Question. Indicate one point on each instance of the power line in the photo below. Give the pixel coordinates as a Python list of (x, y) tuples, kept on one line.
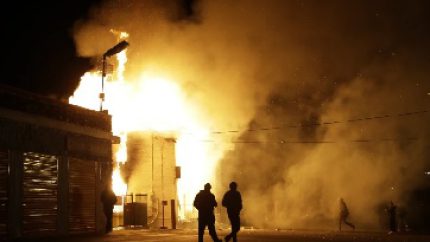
[(302, 125), (286, 142)]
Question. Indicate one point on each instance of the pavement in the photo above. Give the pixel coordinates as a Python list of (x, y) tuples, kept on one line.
[(245, 235)]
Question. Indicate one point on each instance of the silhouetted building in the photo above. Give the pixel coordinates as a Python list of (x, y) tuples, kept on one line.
[(54, 159)]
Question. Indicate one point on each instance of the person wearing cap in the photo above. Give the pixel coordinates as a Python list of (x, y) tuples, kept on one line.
[(232, 200), (205, 203)]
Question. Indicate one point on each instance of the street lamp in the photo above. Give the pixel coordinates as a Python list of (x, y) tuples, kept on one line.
[(112, 51)]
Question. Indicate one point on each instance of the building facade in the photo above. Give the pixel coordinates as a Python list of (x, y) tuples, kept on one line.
[(55, 158)]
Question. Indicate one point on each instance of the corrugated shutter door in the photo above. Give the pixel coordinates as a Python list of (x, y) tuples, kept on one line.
[(40, 185), (82, 196), (4, 164)]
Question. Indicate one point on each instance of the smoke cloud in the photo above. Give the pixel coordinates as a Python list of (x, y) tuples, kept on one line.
[(288, 65)]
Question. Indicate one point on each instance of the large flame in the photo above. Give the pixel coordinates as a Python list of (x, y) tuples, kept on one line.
[(154, 102), (119, 187)]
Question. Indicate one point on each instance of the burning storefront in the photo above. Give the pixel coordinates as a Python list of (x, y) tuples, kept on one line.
[(54, 160), (162, 136)]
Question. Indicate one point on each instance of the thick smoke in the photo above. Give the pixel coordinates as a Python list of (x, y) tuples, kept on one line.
[(289, 65), (367, 162), (371, 65)]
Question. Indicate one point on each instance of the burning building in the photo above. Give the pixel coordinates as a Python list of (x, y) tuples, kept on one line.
[(150, 173), (160, 130), (54, 160)]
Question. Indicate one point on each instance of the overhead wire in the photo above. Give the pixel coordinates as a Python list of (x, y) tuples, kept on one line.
[(286, 142), (301, 125)]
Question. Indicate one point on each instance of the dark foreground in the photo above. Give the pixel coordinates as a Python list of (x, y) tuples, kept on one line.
[(247, 235)]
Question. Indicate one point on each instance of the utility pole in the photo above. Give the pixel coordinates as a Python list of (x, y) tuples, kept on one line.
[(112, 51)]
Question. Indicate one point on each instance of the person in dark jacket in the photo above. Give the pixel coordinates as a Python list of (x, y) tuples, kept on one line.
[(232, 200), (205, 203), (108, 199)]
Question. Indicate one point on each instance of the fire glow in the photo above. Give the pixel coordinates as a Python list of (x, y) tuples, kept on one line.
[(153, 103)]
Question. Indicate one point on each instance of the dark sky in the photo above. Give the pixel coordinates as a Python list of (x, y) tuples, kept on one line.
[(41, 57), (40, 51), (38, 46)]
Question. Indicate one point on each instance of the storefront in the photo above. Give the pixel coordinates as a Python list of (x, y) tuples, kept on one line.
[(54, 160)]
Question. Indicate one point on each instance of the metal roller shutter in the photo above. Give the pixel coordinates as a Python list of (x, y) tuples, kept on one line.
[(40, 186), (82, 196), (4, 174)]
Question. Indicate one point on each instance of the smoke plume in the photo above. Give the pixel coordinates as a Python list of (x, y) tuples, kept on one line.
[(283, 69)]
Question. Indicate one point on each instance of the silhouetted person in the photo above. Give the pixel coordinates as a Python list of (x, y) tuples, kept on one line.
[(205, 203), (108, 198), (232, 200), (343, 215), (401, 215), (391, 210)]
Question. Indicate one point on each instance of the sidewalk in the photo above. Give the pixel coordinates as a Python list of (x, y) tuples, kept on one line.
[(245, 235)]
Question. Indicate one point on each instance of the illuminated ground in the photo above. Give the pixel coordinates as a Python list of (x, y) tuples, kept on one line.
[(249, 236)]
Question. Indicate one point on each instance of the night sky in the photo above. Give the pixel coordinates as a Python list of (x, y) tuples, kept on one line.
[(38, 42), (40, 53)]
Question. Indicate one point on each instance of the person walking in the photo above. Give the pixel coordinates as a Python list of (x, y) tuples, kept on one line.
[(343, 215), (232, 200), (108, 199), (205, 203), (392, 214)]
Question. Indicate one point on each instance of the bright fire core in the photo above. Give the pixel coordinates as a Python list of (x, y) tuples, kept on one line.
[(153, 103)]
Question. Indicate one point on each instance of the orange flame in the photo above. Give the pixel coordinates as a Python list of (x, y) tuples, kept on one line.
[(154, 102)]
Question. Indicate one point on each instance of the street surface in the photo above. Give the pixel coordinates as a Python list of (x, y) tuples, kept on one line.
[(245, 235)]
